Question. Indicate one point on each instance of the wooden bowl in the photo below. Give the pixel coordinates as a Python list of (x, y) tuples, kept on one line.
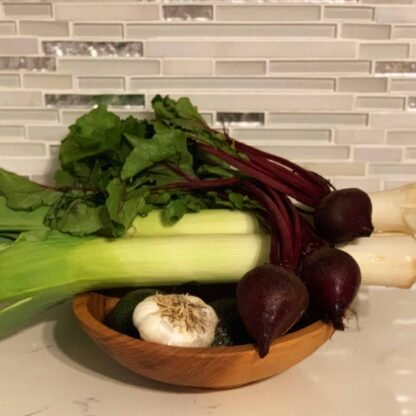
[(217, 367)]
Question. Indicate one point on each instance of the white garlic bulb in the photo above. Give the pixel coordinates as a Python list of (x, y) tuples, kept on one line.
[(176, 320)]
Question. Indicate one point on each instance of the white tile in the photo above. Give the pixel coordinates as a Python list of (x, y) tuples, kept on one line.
[(34, 115), (270, 102), (109, 66), (233, 68), (405, 137), (250, 48), (365, 31), (255, 12), (101, 83), (396, 14), (47, 81), (9, 80), (43, 179), (378, 154), (396, 183), (387, 1), (348, 13), (18, 46), (333, 66), (223, 84), (7, 28), (48, 133), (107, 12), (380, 103), (393, 120), (304, 153), (388, 169), (243, 29), (12, 132), (410, 153), (27, 9), (403, 84), (22, 149), (188, 67), (384, 50), (98, 30), (42, 28), (359, 136), (367, 185), (337, 168), (411, 103), (335, 119), (404, 32), (264, 136), (28, 165), (21, 99), (354, 84)]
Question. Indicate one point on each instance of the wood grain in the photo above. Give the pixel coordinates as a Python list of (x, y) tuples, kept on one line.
[(219, 367)]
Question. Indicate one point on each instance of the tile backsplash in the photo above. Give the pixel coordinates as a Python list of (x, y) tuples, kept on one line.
[(330, 84)]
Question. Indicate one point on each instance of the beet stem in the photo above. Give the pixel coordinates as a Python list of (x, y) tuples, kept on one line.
[(260, 176)]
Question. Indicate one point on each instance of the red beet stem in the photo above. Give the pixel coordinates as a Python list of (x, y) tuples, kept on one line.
[(315, 181), (260, 176), (281, 251), (310, 241), (295, 220), (201, 184), (283, 173)]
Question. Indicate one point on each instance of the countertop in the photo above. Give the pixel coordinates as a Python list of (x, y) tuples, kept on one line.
[(53, 369)]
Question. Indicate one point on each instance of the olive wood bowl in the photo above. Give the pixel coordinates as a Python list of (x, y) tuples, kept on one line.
[(215, 367)]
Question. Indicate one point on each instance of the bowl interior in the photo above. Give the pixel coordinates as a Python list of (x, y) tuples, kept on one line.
[(215, 367)]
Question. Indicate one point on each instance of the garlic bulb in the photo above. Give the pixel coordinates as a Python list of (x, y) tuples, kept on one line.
[(176, 320)]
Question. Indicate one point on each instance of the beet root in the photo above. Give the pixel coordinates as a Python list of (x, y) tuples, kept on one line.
[(344, 215), (332, 278), (270, 301)]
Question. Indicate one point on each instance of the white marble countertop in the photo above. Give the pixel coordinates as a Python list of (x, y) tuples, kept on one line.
[(53, 369)]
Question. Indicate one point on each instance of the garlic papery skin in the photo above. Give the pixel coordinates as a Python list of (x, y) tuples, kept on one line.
[(176, 320)]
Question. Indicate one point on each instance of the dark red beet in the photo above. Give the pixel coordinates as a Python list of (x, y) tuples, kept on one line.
[(343, 215), (333, 278), (270, 301)]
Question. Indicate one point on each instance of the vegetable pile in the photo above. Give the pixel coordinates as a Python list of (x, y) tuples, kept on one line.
[(116, 217)]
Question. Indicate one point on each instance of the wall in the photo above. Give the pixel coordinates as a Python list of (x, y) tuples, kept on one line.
[(331, 84)]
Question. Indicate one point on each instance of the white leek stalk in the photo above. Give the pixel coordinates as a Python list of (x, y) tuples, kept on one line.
[(395, 210), (385, 259), (207, 221)]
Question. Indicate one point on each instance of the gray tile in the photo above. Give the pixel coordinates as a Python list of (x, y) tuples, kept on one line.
[(81, 48), (240, 119), (187, 12), (395, 67), (83, 100), (29, 63)]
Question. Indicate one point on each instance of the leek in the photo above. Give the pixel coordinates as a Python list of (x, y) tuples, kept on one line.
[(395, 210), (209, 221)]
